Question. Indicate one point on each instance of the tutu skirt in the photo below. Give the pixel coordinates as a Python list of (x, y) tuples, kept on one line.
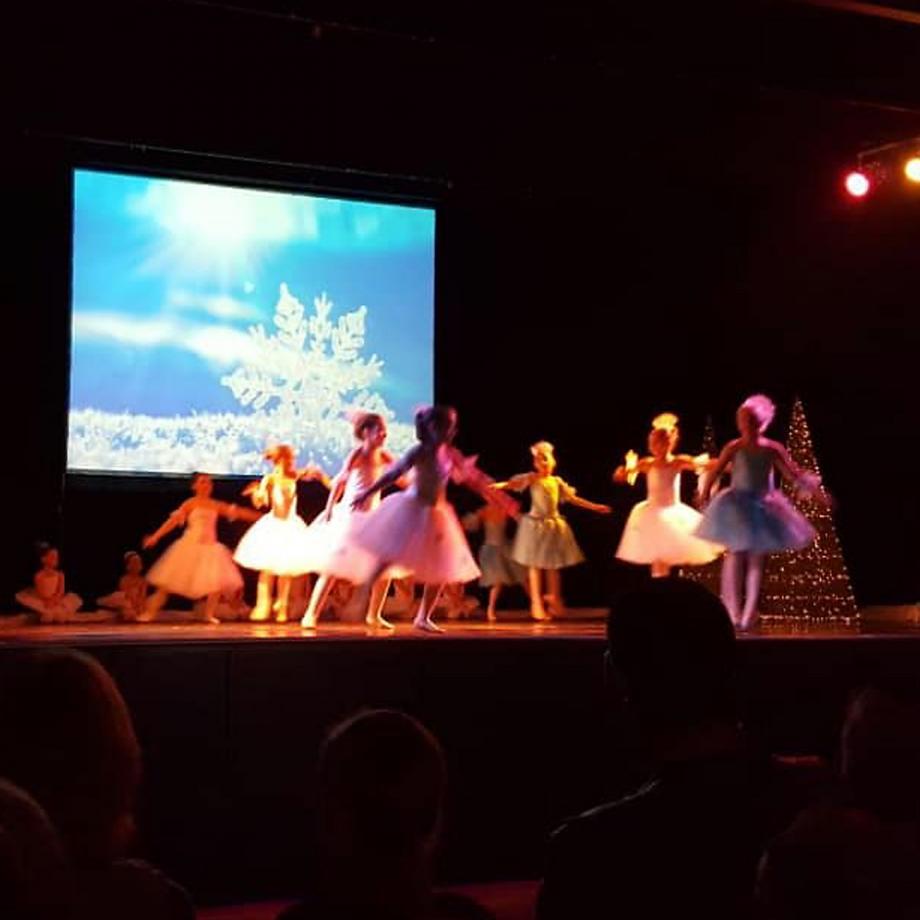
[(498, 568), (664, 533), (545, 543), (48, 610), (755, 522), (333, 551), (195, 569), (277, 545), (425, 541)]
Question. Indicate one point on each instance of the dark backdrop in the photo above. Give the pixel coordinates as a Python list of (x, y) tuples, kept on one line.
[(638, 212)]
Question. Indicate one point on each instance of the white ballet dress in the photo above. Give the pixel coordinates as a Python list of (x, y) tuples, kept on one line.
[(660, 529), (279, 540), (544, 539), (417, 531), (196, 564)]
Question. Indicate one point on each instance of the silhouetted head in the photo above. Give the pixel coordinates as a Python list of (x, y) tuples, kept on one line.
[(371, 428), (659, 443), (382, 780), (31, 858), (69, 742), (48, 555), (281, 455), (134, 564), (671, 651), (544, 457), (880, 752)]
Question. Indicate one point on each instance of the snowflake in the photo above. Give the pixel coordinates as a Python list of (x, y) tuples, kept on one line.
[(299, 387)]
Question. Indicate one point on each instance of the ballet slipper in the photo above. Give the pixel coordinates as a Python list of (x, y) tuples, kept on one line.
[(378, 622), (308, 622), (490, 616), (749, 621), (259, 614), (426, 624)]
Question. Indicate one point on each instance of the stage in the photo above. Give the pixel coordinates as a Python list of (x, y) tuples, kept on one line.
[(231, 717)]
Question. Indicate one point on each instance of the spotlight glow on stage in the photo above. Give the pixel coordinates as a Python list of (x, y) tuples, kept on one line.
[(912, 169), (857, 184)]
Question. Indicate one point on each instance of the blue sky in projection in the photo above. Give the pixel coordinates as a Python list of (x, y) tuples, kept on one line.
[(168, 276)]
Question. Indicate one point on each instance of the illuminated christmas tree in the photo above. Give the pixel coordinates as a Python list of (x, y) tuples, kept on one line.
[(813, 583), (706, 575)]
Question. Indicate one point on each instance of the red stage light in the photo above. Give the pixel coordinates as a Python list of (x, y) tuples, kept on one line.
[(857, 184)]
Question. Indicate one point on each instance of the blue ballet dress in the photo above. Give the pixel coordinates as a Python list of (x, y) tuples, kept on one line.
[(752, 515)]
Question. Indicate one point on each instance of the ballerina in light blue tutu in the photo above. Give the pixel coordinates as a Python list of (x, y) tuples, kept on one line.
[(753, 517)]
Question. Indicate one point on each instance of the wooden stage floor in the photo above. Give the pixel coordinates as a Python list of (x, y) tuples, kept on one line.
[(15, 631)]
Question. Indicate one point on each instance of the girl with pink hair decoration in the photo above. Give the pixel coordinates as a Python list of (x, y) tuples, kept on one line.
[(752, 517), (417, 530)]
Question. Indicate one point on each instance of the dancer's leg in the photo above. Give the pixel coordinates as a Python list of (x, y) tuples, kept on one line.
[(153, 606), (209, 614), (262, 609), (318, 597), (534, 585), (431, 594), (554, 592), (374, 616), (752, 583), (283, 598), (494, 592), (732, 566), (379, 593), (660, 569)]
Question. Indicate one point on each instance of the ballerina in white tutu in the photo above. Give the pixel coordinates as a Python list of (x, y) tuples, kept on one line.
[(659, 531), (331, 553), (277, 545), (196, 565), (498, 568), (752, 517), (417, 530), (48, 596), (131, 596), (544, 542)]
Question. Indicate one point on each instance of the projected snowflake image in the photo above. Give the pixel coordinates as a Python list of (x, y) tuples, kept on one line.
[(213, 361)]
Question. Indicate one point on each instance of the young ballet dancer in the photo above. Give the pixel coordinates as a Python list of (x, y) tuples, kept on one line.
[(331, 554), (659, 531), (752, 517), (498, 568), (131, 596), (48, 596), (277, 545), (196, 565), (417, 530), (544, 542)]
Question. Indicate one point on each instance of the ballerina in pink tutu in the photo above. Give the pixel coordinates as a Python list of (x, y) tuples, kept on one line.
[(331, 554), (48, 596), (196, 565), (276, 546), (417, 530)]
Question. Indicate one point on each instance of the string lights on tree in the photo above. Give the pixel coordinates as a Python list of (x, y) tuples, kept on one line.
[(810, 585), (879, 165)]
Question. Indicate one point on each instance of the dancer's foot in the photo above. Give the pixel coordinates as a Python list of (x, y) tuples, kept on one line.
[(259, 614), (379, 623), (749, 621), (308, 622), (281, 613), (211, 621), (538, 612), (426, 624), (147, 616), (490, 616), (553, 606)]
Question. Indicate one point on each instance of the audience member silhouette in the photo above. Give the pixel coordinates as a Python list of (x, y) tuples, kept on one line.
[(687, 842), (381, 787), (68, 740), (33, 880), (858, 854)]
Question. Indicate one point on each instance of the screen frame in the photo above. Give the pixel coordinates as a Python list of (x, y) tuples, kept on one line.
[(235, 172)]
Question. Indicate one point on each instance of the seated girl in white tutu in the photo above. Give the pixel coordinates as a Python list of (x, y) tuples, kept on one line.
[(196, 565), (659, 531), (498, 568), (330, 553), (544, 542), (48, 596), (131, 596), (752, 517), (417, 530), (277, 545)]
